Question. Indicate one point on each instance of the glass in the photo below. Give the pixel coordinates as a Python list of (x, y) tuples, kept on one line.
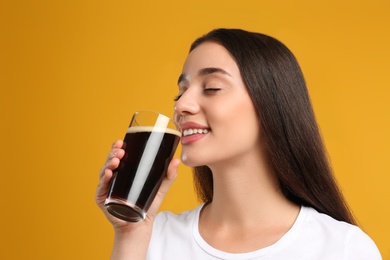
[(150, 143)]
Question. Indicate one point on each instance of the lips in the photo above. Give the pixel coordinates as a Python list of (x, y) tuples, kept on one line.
[(192, 132)]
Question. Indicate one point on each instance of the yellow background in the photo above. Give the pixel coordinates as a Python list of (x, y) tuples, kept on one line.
[(72, 73)]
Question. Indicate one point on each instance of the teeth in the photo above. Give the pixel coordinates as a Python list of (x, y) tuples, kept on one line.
[(194, 131)]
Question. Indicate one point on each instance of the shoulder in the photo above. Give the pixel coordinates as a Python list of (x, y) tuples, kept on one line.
[(165, 217), (324, 223), (172, 234), (166, 221), (356, 244)]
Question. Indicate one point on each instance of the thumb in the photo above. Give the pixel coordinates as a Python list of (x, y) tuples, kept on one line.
[(165, 185), (172, 169)]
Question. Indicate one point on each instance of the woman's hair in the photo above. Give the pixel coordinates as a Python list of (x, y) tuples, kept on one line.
[(291, 136)]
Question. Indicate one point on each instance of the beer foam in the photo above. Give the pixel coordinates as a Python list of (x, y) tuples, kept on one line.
[(137, 129)]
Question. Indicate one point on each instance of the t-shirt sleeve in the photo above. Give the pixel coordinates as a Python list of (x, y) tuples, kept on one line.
[(361, 247)]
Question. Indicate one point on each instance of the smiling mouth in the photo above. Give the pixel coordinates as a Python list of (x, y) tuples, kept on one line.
[(194, 131)]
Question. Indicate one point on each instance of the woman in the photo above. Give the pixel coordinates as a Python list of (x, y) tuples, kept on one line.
[(259, 164)]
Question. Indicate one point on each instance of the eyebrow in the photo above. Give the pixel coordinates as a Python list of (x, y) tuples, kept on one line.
[(204, 72)]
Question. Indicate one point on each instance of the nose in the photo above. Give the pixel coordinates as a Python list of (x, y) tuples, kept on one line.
[(186, 105)]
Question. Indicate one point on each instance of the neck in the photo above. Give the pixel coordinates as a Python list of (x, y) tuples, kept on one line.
[(247, 193), (248, 210)]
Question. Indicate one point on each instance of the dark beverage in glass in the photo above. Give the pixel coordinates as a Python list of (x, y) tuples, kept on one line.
[(148, 152)]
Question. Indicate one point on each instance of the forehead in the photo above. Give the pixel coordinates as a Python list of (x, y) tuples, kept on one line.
[(209, 54)]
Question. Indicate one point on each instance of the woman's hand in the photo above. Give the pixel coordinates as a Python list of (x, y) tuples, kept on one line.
[(131, 239)]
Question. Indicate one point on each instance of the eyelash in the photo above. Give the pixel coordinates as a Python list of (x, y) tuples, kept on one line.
[(212, 89), (177, 97), (206, 90)]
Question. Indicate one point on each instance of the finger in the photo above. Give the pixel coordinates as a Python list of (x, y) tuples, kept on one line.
[(102, 189), (113, 157), (115, 153), (172, 169), (117, 144), (110, 165), (165, 185), (116, 150)]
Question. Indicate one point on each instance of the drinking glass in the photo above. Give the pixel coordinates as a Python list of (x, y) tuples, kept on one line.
[(150, 143)]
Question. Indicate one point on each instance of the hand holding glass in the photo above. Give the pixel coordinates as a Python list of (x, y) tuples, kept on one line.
[(149, 144)]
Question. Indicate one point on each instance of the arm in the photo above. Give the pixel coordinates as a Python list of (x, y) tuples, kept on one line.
[(131, 240)]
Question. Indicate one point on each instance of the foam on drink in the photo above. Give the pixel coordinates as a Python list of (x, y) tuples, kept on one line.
[(136, 129)]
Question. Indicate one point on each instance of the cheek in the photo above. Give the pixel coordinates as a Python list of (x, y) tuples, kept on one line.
[(239, 126), (245, 122), (240, 116)]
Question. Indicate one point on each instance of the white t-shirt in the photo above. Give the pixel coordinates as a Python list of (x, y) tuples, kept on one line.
[(314, 236)]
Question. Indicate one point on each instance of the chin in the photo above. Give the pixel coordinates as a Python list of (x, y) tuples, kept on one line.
[(188, 161)]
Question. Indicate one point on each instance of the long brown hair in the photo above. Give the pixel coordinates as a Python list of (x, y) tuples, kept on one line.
[(292, 139)]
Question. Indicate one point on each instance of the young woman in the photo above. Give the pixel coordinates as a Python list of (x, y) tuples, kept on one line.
[(260, 166)]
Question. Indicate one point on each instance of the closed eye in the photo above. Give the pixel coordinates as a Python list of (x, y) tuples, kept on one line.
[(211, 89), (207, 90), (177, 97)]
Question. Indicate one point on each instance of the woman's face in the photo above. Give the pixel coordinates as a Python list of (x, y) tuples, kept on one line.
[(216, 114)]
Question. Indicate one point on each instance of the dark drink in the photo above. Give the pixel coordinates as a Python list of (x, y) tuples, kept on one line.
[(136, 181)]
